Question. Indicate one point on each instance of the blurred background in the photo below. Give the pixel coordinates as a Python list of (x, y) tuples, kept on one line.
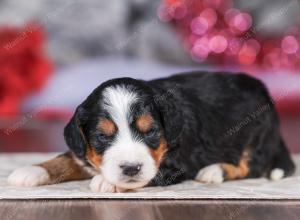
[(53, 53)]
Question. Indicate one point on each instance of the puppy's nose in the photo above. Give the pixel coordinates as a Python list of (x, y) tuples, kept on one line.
[(131, 169)]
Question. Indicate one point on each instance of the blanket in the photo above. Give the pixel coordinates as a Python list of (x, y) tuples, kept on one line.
[(262, 188)]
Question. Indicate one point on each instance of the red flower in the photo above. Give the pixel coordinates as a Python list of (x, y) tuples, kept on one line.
[(24, 68)]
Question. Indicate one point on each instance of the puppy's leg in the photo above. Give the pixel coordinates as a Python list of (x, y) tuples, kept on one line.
[(60, 169), (217, 173)]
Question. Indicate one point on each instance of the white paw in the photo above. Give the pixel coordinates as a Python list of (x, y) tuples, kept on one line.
[(211, 174), (277, 174), (99, 184), (29, 176)]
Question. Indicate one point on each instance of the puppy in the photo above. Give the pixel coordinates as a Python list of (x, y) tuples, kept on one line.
[(131, 133)]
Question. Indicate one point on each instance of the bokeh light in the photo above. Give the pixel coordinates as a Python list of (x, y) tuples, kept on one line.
[(210, 16), (214, 30), (290, 45), (200, 50), (218, 44), (242, 22), (199, 25)]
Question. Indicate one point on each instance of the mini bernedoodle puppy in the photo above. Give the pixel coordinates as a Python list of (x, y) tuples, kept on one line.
[(209, 127)]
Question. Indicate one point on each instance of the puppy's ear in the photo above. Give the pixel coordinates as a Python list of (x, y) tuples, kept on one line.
[(171, 116), (74, 135)]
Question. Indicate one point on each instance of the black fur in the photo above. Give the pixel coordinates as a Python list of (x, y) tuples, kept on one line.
[(206, 118), (74, 136)]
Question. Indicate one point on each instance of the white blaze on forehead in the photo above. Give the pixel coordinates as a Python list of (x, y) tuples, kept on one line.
[(118, 101)]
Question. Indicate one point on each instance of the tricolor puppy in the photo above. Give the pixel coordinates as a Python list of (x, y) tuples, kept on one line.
[(131, 133)]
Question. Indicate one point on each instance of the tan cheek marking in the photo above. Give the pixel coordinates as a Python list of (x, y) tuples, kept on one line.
[(144, 122), (237, 172), (107, 127), (93, 157), (158, 153)]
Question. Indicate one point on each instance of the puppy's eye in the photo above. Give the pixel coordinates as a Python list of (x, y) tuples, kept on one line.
[(103, 136), (100, 137), (150, 132)]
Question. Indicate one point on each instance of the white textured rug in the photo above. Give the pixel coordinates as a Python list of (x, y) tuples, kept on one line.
[(288, 188)]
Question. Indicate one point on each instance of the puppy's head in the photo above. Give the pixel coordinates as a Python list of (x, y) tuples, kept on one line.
[(118, 129)]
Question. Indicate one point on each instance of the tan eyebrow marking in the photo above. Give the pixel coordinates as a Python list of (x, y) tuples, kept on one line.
[(107, 126), (144, 122)]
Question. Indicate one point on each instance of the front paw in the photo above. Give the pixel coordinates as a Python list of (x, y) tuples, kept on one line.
[(99, 184), (29, 176), (211, 174)]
